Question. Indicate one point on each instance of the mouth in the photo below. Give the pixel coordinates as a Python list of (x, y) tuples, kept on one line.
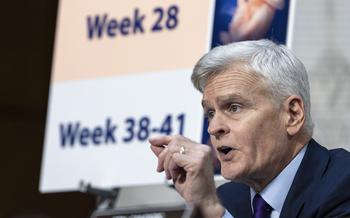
[(224, 149)]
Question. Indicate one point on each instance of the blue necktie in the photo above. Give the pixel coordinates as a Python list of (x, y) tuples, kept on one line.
[(261, 208)]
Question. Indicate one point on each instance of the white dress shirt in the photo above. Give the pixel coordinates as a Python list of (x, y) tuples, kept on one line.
[(276, 191)]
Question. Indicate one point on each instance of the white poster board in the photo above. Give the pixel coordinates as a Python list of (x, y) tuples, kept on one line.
[(121, 73)]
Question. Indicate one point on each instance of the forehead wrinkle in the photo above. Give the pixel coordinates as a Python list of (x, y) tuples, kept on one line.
[(247, 86), (234, 79)]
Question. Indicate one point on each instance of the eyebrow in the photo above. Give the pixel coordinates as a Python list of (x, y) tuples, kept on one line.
[(224, 98)]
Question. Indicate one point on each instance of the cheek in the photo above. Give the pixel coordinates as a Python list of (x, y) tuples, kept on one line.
[(266, 142), (246, 137), (251, 142), (237, 170)]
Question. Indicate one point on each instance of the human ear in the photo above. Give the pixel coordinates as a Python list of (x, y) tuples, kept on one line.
[(294, 106)]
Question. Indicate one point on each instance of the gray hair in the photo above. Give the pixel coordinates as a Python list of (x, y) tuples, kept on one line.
[(282, 71)]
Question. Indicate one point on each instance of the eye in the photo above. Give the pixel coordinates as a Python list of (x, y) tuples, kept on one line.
[(209, 114), (234, 108)]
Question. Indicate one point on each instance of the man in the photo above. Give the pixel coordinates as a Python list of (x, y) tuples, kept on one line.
[(256, 97)]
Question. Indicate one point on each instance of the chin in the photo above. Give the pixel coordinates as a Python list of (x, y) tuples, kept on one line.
[(230, 173)]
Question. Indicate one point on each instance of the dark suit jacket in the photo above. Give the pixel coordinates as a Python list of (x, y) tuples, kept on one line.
[(321, 187)]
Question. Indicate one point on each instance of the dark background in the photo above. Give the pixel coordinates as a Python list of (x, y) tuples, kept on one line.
[(27, 30)]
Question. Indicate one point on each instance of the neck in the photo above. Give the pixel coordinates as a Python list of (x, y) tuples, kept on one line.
[(258, 184)]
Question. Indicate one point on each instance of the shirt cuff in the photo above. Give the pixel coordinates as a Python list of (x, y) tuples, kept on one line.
[(227, 214)]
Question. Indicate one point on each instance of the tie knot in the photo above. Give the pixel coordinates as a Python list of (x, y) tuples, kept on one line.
[(261, 208)]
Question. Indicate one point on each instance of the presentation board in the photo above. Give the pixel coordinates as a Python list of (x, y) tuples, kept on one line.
[(120, 74)]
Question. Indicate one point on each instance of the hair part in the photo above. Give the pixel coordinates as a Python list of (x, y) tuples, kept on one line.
[(279, 68)]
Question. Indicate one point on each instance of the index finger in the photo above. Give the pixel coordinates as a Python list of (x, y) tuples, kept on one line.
[(160, 141), (157, 149)]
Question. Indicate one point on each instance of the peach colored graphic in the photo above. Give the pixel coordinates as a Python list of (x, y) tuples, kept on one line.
[(77, 57)]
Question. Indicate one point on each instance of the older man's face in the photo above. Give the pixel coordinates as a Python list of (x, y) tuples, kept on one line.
[(247, 127)]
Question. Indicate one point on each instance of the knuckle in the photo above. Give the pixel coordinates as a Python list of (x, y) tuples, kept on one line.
[(201, 155), (206, 149), (205, 152), (177, 138), (199, 161), (172, 148)]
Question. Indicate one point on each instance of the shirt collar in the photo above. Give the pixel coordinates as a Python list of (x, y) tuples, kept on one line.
[(276, 191)]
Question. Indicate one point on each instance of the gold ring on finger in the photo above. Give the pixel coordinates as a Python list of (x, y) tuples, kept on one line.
[(182, 150)]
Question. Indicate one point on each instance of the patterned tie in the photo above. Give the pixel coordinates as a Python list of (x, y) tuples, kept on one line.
[(261, 208)]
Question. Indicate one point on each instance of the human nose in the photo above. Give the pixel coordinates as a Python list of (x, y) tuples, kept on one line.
[(218, 126)]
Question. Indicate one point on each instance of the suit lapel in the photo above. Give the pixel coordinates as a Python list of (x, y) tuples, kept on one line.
[(243, 207), (311, 169), (235, 197)]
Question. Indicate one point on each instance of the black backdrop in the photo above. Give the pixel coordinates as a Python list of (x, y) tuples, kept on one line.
[(26, 42)]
